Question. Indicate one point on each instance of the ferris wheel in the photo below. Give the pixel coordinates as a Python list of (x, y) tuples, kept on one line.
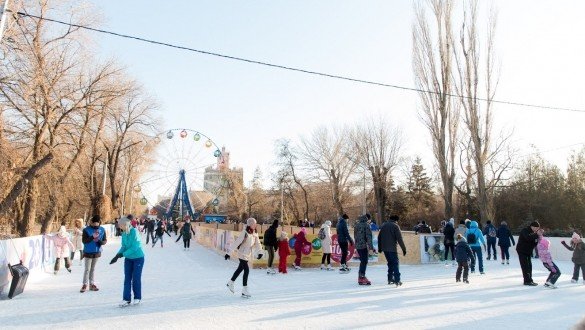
[(184, 177)]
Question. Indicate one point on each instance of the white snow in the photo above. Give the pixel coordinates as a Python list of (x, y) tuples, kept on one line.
[(186, 290)]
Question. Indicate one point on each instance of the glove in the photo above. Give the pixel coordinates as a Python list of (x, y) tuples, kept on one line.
[(226, 257), (259, 256), (403, 252), (563, 242), (118, 256)]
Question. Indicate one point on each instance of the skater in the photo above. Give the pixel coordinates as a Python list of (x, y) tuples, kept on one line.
[(343, 239), (490, 234), (283, 252), (424, 228), (388, 237), (504, 237), (271, 245), (546, 258), (94, 236), (300, 242), (77, 243), (247, 244), (150, 226), (449, 242), (464, 255), (159, 232), (61, 242), (578, 248), (363, 244), (474, 238), (186, 231), (527, 241), (326, 245), (131, 250)]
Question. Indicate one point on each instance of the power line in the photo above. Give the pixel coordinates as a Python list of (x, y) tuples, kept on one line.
[(278, 66)]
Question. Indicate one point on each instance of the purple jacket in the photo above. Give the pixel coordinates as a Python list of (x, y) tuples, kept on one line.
[(543, 252)]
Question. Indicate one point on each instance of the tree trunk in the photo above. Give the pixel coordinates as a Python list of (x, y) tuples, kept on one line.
[(26, 224)]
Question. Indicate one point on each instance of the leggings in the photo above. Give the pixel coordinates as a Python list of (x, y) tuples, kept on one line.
[(505, 252), (242, 266), (187, 243), (326, 256)]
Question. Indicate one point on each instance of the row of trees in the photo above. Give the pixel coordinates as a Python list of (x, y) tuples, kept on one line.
[(73, 127)]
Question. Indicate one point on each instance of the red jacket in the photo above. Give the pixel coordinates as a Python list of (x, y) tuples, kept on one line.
[(300, 241), (283, 249)]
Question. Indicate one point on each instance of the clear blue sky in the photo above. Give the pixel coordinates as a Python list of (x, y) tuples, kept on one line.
[(247, 107)]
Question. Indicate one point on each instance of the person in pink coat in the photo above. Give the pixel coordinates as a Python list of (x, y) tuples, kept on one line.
[(61, 242), (300, 242), (546, 258)]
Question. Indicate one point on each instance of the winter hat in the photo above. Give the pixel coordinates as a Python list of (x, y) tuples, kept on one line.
[(534, 224), (250, 222), (328, 223), (452, 221), (460, 237), (575, 236), (303, 230), (62, 231), (283, 234)]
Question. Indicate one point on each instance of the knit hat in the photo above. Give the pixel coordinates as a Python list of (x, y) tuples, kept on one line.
[(534, 224), (250, 222), (303, 230), (575, 236), (283, 234)]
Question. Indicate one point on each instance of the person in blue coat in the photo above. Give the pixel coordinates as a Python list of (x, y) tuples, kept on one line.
[(475, 241), (131, 250), (504, 239), (93, 237), (343, 239)]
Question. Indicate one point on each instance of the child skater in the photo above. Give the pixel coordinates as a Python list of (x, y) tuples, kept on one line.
[(283, 252), (61, 242), (186, 231), (463, 254), (578, 248), (161, 229), (300, 242), (131, 250), (77, 243), (544, 256), (246, 244)]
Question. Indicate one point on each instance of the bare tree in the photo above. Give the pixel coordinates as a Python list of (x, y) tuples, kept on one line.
[(327, 153), (476, 72), (377, 146), (288, 174), (432, 65)]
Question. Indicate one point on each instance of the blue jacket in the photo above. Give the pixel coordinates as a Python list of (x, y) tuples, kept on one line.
[(343, 232), (473, 228), (131, 245), (93, 248), (504, 236)]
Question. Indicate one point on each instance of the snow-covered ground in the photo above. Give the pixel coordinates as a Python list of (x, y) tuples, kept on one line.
[(186, 290)]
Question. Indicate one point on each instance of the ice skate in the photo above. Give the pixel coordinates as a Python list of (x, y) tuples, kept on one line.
[(550, 285), (136, 302), (230, 286), (92, 287), (457, 280), (344, 269), (68, 269), (296, 267), (507, 262), (573, 280), (83, 288), (245, 293), (124, 303), (329, 267), (465, 281), (398, 283), (362, 280), (322, 267)]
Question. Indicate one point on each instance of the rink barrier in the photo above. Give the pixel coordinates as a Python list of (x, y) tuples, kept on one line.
[(36, 253)]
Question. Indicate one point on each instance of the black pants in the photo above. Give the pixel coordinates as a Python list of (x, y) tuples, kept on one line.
[(242, 266), (451, 247), (526, 265), (552, 277), (491, 246), (187, 243), (363, 261), (344, 248), (462, 266), (326, 257), (576, 271), (149, 234)]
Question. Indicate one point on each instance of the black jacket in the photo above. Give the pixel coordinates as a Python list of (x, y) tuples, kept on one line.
[(389, 236), (463, 252), (504, 236), (527, 241), (449, 232), (270, 236)]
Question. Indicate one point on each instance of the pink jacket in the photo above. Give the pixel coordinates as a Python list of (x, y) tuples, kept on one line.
[(60, 244), (543, 252)]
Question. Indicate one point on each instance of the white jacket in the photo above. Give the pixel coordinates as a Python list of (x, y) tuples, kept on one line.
[(326, 242), (248, 244)]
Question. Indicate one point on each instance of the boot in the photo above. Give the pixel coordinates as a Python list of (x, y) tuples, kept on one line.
[(245, 293), (363, 280), (230, 286), (83, 288), (322, 266)]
